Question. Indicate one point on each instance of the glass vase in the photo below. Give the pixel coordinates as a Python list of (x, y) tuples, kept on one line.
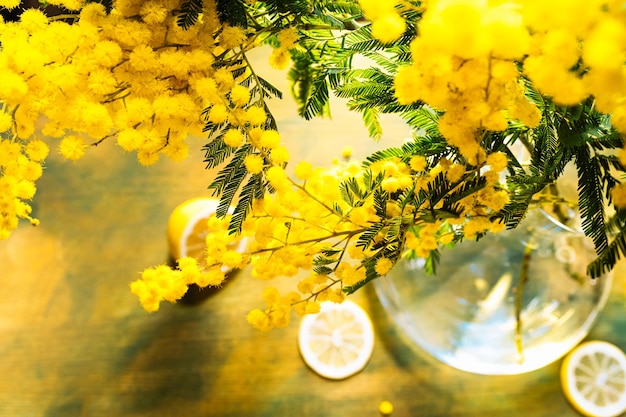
[(509, 303)]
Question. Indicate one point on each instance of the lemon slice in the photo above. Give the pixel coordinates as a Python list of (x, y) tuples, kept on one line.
[(187, 229), (338, 341), (593, 377)]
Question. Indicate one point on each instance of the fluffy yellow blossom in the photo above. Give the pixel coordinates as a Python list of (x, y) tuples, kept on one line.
[(218, 114), (375, 9), (147, 158), (455, 172), (388, 28), (497, 161), (418, 163), (107, 53), (33, 20), (259, 320), (383, 266), (143, 58), (13, 88), (269, 139), (232, 37), (363, 215), (72, 147), (279, 58), (288, 37), (240, 95), (618, 195), (25, 189), (224, 79), (254, 163), (280, 155), (158, 284), (10, 4), (350, 274), (32, 171), (233, 138), (232, 259), (256, 115), (406, 83), (278, 178), (153, 12), (6, 120), (304, 170), (37, 150)]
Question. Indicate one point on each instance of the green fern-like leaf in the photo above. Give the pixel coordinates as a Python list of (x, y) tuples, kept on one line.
[(590, 198), (189, 13), (394, 228), (337, 208), (316, 103), (423, 119), (322, 270), (433, 259), (253, 190), (372, 122), (233, 173), (438, 189), (366, 238), (382, 155), (465, 189), (330, 252), (351, 192), (390, 251), (322, 260), (380, 202), (216, 151), (608, 257), (232, 12)]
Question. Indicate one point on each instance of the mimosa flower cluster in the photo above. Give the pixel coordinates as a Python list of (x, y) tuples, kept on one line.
[(476, 60), (473, 78), (133, 76), (467, 61), (306, 226)]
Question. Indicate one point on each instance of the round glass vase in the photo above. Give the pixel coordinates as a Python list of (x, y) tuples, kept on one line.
[(510, 303)]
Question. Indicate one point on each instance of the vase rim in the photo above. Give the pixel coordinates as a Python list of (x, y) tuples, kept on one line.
[(559, 223)]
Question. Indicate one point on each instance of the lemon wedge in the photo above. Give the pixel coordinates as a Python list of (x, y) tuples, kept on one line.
[(593, 378), (338, 341), (187, 229)]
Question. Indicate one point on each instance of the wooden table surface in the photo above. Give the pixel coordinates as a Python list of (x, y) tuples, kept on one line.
[(75, 342)]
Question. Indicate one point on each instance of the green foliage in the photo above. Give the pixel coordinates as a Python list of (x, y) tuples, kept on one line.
[(388, 248), (253, 190), (605, 261), (366, 238), (230, 178), (216, 151), (430, 267), (547, 162), (590, 197), (232, 12), (189, 13)]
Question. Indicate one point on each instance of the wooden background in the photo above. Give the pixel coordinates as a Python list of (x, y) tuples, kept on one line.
[(75, 342)]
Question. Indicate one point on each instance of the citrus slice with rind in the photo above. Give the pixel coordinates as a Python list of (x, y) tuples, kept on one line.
[(187, 229), (593, 378), (338, 341)]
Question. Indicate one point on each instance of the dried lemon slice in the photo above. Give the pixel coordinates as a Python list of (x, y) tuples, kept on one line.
[(593, 377), (338, 341)]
